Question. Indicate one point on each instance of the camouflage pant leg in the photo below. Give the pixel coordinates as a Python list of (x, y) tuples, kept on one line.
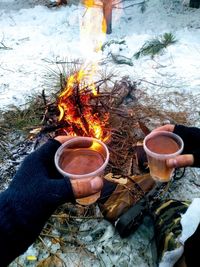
[(167, 218)]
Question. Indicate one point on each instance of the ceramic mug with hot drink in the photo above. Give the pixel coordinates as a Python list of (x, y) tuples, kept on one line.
[(160, 146), (82, 158)]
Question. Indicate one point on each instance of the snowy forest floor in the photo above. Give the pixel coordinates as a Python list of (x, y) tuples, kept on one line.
[(33, 37)]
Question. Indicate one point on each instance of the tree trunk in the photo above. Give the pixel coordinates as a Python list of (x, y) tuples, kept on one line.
[(107, 16), (195, 3)]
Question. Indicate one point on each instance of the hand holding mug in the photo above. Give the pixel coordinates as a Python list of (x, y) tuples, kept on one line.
[(183, 160), (161, 147), (82, 188), (83, 160)]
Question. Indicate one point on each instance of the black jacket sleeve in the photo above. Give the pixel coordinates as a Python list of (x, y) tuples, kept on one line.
[(35, 192), (191, 139), (191, 249)]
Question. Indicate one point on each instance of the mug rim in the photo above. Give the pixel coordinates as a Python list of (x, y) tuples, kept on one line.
[(81, 176), (163, 156)]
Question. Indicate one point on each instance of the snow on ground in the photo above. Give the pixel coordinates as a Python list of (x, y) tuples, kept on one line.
[(38, 33), (31, 35)]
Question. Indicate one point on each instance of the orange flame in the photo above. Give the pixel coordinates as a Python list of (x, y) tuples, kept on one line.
[(77, 104), (89, 3)]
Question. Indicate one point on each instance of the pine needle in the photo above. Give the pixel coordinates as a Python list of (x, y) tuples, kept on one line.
[(156, 45)]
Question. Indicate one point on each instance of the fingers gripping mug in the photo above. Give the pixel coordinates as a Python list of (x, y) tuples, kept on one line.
[(160, 146), (82, 158)]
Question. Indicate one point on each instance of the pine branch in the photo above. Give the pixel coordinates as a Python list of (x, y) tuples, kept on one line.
[(156, 45)]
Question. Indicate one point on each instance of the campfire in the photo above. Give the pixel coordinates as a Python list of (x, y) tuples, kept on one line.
[(107, 110), (81, 110), (87, 108), (113, 114)]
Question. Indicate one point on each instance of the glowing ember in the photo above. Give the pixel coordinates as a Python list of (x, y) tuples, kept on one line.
[(78, 108)]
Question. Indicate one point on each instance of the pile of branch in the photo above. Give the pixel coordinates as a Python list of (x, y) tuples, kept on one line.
[(128, 123)]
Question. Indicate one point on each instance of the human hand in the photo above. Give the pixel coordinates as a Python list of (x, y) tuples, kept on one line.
[(39, 169), (191, 152), (166, 127), (35, 192)]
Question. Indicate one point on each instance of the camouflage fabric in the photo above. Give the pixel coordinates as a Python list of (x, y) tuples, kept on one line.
[(167, 218), (128, 191)]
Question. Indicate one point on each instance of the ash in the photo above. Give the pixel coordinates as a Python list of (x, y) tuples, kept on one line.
[(17, 147)]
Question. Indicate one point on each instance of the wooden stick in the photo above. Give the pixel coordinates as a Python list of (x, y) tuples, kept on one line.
[(80, 109), (107, 16)]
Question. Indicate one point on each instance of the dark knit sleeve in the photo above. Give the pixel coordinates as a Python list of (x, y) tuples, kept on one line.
[(13, 236), (191, 249), (34, 194), (191, 139), (21, 221)]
